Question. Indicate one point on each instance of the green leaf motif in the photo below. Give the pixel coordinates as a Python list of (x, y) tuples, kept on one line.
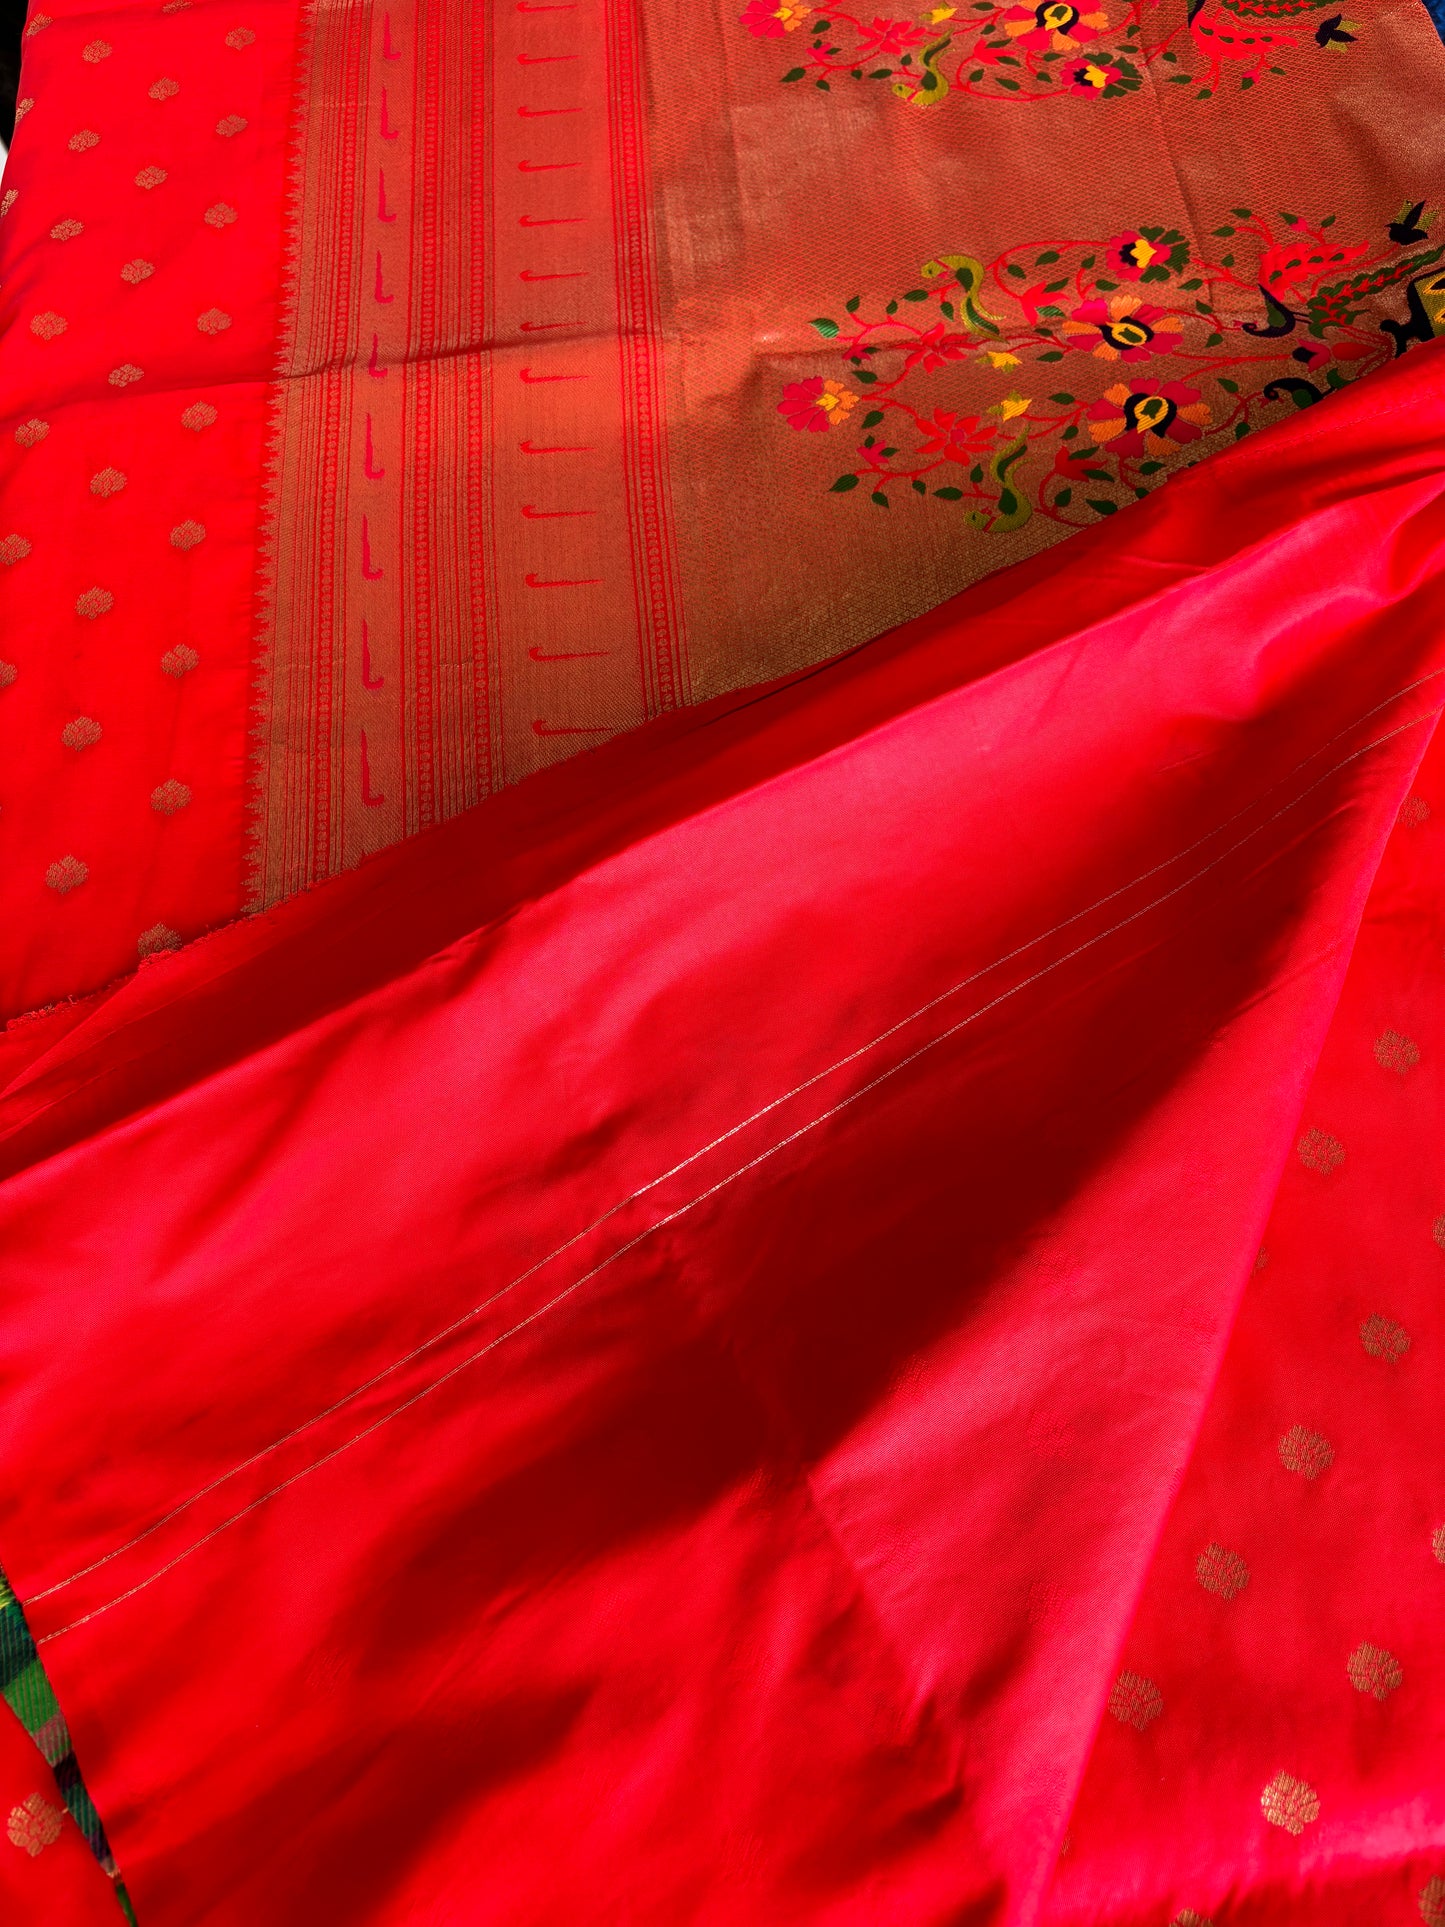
[(853, 305), (1063, 498), (843, 484), (879, 497), (794, 73), (873, 417), (949, 494), (826, 328), (1062, 399), (1101, 507)]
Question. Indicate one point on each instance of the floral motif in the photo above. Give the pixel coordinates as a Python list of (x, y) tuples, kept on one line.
[(1168, 355), (1006, 50)]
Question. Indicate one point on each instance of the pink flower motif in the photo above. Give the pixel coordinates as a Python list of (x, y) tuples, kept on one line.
[(1140, 416), (957, 438), (1090, 77), (936, 347), (816, 404), (1054, 25), (771, 19), (1123, 328), (889, 38)]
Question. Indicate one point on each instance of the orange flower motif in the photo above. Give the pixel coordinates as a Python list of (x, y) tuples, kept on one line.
[(816, 404)]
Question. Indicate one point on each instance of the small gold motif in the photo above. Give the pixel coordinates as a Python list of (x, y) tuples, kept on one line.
[(160, 937), (123, 376), (164, 89), (34, 1825), (220, 215), (87, 137), (151, 177), (31, 432), (1290, 1803), (1190, 1919), (94, 602), (66, 874), (8, 673), (1318, 1151), (240, 37), (1437, 1543), (22, 107), (1135, 1701), (8, 200), (137, 271), (170, 796), (1396, 1052), (186, 535), (66, 230), (199, 415), (1383, 1338), (1305, 1452), (1437, 1232), (48, 325), (175, 6), (1414, 811), (231, 125), (81, 734), (13, 549), (1373, 1670), (213, 321), (1261, 1258), (1432, 1902), (1221, 1571), (38, 23), (181, 660), (108, 482), (96, 50)]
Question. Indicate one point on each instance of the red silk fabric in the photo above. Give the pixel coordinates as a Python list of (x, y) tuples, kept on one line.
[(634, 1359)]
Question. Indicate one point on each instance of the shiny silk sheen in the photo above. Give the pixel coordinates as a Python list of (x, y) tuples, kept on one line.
[(629, 1361)]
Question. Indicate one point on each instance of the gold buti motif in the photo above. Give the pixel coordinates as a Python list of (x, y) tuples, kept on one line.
[(1373, 1670), (170, 796), (1432, 1902), (22, 107), (150, 177), (1308, 1453), (1190, 1919), (1290, 1803), (240, 37), (164, 89), (66, 230), (96, 50), (1221, 1571), (199, 415), (8, 673), (1318, 1151), (213, 322), (93, 603), (176, 6), (106, 482), (34, 1825), (81, 733), (8, 200), (221, 215), (158, 939), (230, 125), (186, 535), (13, 549), (1396, 1052), (1383, 1338), (87, 137), (123, 376), (134, 272), (1437, 1543), (48, 325), (1437, 1232), (180, 661), (31, 432), (1135, 1701), (1414, 811), (38, 23), (67, 873)]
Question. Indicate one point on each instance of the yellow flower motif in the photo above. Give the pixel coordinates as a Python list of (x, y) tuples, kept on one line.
[(1011, 405), (1000, 358), (935, 16), (837, 402), (792, 13)]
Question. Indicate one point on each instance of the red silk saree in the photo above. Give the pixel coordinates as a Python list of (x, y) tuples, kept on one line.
[(832, 1311)]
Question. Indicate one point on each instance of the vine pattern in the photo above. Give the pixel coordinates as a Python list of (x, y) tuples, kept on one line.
[(1096, 50), (1154, 352)]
